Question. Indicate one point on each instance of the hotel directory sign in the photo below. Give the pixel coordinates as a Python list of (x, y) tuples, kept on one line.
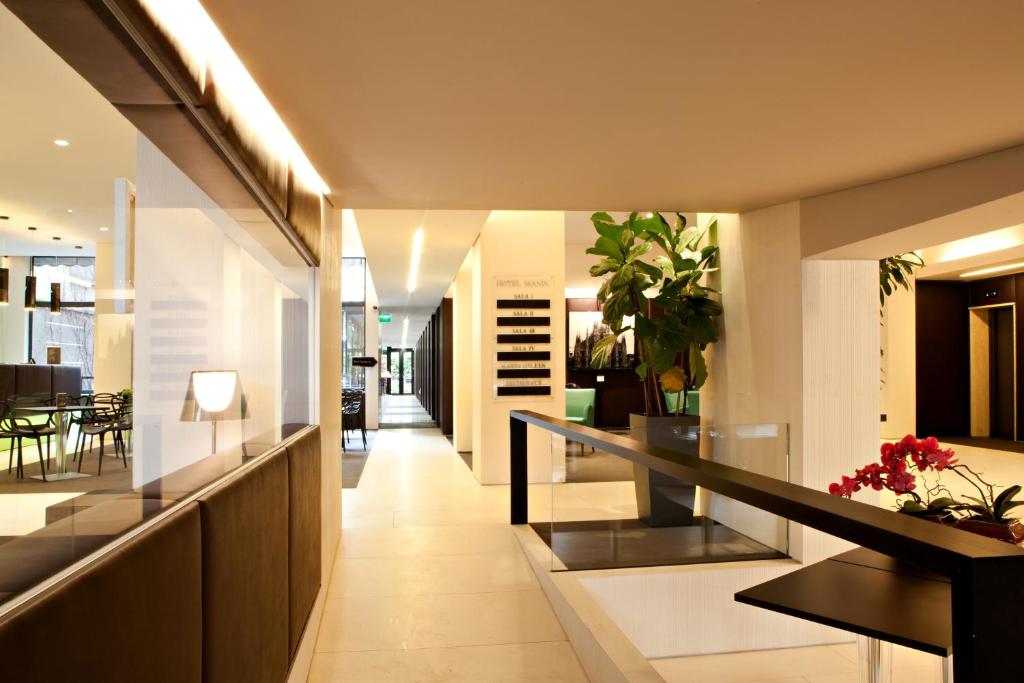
[(523, 337)]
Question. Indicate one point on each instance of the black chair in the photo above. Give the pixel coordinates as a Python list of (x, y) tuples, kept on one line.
[(23, 428), (352, 414), (9, 430), (101, 421)]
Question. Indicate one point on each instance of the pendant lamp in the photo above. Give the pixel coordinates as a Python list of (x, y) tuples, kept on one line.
[(30, 292), (54, 298)]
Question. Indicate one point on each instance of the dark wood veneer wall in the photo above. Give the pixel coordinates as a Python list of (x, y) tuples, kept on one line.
[(447, 350), (433, 370), (943, 349)]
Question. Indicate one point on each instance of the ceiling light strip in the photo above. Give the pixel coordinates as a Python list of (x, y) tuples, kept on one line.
[(414, 262), (993, 269), (213, 133)]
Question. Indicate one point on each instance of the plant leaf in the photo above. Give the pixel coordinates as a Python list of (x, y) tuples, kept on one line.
[(602, 351)]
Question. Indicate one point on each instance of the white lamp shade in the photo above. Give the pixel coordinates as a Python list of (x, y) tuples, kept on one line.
[(214, 389)]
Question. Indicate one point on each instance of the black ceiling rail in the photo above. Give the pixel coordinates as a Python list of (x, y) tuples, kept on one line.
[(987, 575)]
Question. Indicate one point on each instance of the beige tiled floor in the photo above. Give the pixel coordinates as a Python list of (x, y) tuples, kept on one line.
[(823, 664), (429, 583)]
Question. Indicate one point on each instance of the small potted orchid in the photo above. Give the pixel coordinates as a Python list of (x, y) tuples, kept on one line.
[(908, 459)]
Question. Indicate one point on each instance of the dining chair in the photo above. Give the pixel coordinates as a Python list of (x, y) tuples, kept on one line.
[(8, 430), (352, 414), (99, 422), (23, 428)]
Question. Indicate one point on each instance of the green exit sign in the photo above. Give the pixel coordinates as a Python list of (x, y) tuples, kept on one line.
[(384, 317)]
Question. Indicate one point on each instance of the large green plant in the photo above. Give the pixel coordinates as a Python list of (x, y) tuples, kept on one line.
[(674, 327)]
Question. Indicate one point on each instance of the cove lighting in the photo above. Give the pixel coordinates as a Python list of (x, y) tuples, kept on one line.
[(993, 269), (61, 143), (414, 263), (205, 50)]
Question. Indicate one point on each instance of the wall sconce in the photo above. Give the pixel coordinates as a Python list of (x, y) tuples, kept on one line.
[(30, 292), (54, 298)]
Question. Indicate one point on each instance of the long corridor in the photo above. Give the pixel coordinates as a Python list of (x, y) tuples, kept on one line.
[(429, 583)]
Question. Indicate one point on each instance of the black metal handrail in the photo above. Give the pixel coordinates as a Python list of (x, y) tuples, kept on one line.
[(987, 576)]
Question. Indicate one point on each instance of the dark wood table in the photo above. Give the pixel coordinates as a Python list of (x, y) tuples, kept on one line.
[(867, 593)]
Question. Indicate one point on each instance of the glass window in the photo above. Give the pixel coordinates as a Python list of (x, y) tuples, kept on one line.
[(67, 338), (76, 276), (354, 344), (353, 280)]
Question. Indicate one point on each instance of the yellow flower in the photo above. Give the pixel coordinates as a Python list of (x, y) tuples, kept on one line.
[(673, 380)]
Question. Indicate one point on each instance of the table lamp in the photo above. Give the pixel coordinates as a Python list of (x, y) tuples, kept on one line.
[(214, 395)]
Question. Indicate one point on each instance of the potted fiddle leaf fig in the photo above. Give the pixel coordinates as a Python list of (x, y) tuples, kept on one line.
[(654, 284)]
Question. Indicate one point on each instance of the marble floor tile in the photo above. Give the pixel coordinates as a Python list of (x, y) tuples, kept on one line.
[(756, 667), (438, 540), (422, 621), (431, 575), (553, 662)]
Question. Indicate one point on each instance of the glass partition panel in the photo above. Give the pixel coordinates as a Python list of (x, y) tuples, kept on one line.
[(609, 512), (182, 345)]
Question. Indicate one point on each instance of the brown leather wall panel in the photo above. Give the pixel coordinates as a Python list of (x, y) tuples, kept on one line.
[(6, 381), (245, 576), (304, 214), (303, 533), (66, 379), (32, 380), (134, 615)]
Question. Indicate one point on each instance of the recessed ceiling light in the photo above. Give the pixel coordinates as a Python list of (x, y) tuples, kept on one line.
[(61, 143), (71, 210), (104, 228), (32, 228)]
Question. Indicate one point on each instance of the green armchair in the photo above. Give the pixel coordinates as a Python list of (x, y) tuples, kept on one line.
[(579, 406), (692, 403)]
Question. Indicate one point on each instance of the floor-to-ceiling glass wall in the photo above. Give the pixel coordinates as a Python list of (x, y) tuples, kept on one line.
[(149, 340)]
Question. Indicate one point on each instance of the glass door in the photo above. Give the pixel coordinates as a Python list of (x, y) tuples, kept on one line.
[(407, 365)]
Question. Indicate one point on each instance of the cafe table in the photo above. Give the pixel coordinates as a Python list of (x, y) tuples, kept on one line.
[(62, 428)]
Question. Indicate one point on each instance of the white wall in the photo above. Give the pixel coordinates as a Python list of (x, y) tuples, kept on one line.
[(113, 331), (899, 340), (799, 346), (13, 320), (515, 243), (462, 354)]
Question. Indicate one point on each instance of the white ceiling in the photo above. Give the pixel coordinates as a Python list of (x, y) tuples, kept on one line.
[(387, 238), (43, 100), (713, 105)]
